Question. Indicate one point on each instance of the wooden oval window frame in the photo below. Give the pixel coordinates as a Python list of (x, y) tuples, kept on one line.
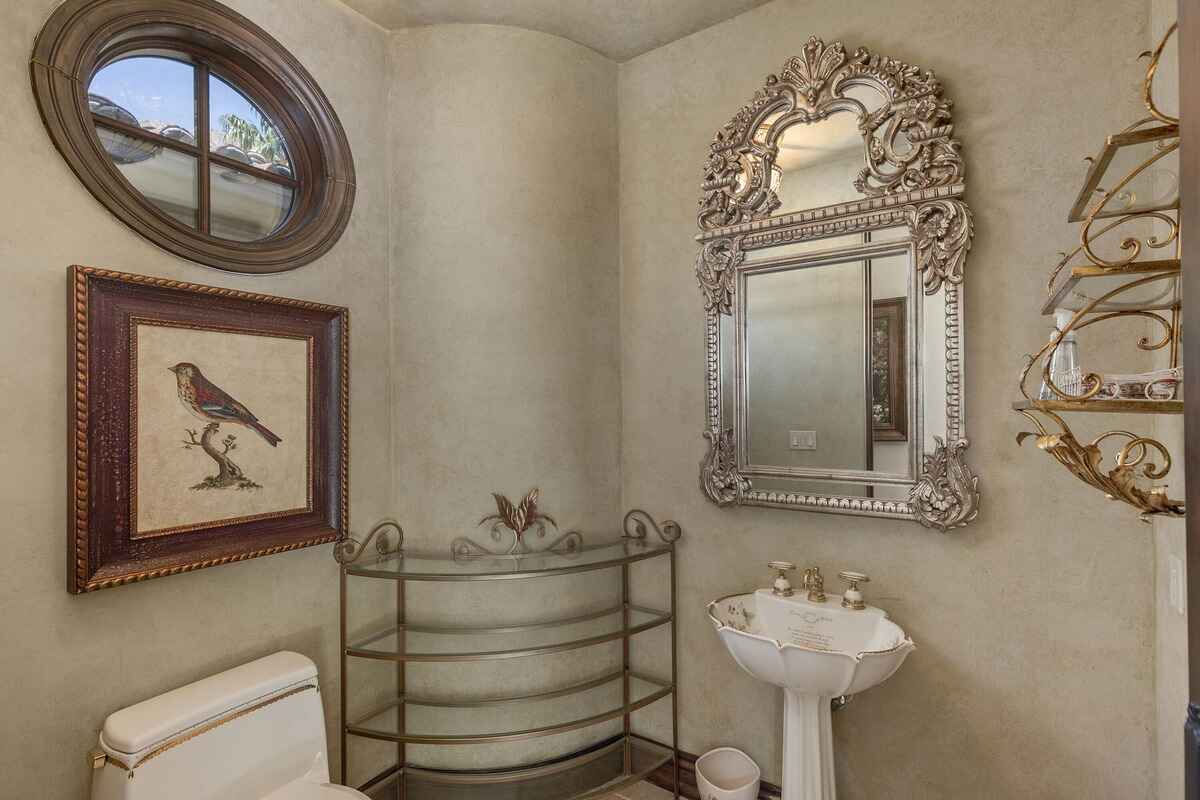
[(83, 36)]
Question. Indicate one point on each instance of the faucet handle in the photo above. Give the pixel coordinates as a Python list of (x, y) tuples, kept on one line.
[(853, 598), (782, 586)]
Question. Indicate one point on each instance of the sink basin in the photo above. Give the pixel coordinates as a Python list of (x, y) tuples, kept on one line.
[(814, 652)]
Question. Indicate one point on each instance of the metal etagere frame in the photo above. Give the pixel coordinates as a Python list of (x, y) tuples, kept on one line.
[(592, 773), (1138, 278)]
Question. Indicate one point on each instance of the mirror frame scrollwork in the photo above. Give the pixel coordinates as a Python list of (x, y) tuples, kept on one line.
[(913, 176)]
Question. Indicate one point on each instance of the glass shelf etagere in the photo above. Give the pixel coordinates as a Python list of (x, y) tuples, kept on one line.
[(594, 772), (1127, 268)]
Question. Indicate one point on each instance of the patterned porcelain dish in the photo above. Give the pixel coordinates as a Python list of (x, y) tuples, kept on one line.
[(813, 648)]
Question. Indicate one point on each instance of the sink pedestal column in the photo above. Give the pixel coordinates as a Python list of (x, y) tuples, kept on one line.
[(807, 747)]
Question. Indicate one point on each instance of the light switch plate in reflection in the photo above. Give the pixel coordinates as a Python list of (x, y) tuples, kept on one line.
[(802, 440)]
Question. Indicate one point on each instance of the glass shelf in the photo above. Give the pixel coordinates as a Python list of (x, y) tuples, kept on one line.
[(1076, 287), (459, 723), (454, 729), (1155, 189), (1103, 406), (595, 774), (429, 643), (417, 567)]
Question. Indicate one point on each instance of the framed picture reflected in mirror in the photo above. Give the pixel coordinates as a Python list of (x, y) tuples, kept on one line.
[(889, 396)]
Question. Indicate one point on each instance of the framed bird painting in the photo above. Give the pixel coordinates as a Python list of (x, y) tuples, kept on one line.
[(207, 426)]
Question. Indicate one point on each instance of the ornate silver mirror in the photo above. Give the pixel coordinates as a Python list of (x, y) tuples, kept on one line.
[(832, 246)]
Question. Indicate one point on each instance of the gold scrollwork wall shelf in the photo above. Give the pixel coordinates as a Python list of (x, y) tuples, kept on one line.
[(1126, 267)]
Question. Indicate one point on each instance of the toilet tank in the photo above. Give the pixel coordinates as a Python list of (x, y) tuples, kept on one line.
[(237, 735)]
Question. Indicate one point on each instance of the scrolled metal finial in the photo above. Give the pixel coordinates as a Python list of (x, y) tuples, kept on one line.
[(349, 549), (669, 532)]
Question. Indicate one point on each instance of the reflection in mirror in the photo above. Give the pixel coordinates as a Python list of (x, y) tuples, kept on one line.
[(934, 385), (805, 367), (818, 162), (827, 367), (877, 491), (727, 371)]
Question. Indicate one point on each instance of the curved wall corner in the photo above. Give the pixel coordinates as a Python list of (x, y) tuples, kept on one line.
[(505, 340)]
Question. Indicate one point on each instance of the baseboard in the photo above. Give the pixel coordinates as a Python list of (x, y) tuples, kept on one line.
[(663, 778)]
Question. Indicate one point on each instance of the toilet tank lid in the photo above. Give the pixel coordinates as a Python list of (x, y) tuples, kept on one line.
[(134, 730)]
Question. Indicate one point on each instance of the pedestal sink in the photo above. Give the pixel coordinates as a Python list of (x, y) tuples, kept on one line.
[(814, 652)]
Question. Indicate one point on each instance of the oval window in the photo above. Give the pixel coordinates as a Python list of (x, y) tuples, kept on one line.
[(208, 138)]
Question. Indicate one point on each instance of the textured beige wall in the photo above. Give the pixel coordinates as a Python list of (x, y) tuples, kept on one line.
[(1033, 675), (504, 277), (504, 270), (1171, 642), (1170, 535), (67, 661), (497, 251)]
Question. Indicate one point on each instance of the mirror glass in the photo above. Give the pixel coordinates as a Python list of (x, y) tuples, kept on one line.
[(818, 162), (825, 351)]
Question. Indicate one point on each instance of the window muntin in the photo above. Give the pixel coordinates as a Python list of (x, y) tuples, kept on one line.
[(167, 121)]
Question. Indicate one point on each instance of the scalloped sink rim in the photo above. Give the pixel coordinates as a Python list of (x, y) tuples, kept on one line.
[(805, 669)]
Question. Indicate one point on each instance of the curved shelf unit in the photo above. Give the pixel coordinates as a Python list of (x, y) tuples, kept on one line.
[(402, 566), (418, 643), (599, 769), (556, 717), (412, 719)]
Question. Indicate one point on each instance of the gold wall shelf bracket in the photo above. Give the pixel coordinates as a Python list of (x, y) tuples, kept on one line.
[(1126, 267)]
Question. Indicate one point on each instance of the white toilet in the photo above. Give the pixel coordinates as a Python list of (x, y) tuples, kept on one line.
[(255, 732)]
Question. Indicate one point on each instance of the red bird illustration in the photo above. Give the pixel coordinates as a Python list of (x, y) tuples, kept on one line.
[(211, 403)]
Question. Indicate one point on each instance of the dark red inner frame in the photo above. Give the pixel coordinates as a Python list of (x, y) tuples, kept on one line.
[(112, 553)]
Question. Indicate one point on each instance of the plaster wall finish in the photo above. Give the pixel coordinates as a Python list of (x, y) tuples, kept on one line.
[(504, 264), (504, 277), (1170, 541), (68, 661), (1033, 624), (520, 318), (619, 29)]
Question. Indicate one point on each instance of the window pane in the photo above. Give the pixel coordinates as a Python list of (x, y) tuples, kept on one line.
[(239, 130), (165, 177), (151, 92), (245, 207)]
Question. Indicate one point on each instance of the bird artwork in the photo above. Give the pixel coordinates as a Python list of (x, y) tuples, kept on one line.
[(213, 405)]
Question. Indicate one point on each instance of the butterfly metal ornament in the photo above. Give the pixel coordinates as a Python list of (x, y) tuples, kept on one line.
[(518, 519)]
